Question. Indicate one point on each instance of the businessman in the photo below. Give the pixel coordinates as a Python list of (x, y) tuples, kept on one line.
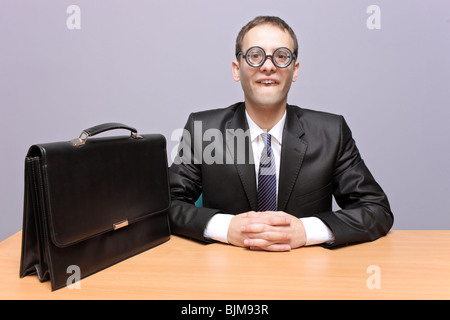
[(267, 180)]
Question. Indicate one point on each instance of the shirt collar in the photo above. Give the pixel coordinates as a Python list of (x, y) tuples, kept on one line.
[(276, 131)]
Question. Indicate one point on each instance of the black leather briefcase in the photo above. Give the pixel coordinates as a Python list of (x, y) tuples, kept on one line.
[(92, 202)]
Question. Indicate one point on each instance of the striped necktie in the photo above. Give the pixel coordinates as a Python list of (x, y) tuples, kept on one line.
[(267, 178)]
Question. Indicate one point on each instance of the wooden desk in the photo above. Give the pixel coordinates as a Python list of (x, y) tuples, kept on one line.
[(412, 265)]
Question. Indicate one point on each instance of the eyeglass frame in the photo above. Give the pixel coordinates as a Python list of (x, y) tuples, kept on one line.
[(294, 57)]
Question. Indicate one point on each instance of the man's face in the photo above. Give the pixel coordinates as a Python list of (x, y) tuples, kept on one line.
[(266, 86)]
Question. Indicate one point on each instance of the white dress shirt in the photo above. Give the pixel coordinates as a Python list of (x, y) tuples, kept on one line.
[(217, 228)]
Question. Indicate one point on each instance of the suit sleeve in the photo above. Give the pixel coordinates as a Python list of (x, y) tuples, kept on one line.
[(365, 213), (185, 177)]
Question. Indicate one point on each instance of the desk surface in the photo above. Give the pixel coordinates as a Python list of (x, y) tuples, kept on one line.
[(405, 264)]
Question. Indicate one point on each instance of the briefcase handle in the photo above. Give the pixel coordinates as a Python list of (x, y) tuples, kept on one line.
[(92, 131)]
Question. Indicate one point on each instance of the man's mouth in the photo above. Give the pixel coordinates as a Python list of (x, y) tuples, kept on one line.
[(267, 81)]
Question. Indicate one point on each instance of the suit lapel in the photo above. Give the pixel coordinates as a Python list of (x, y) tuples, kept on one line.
[(239, 149), (292, 153)]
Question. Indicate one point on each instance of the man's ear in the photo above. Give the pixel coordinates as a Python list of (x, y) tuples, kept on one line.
[(296, 70), (235, 70)]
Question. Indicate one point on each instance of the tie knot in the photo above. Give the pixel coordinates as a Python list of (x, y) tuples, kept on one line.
[(267, 139)]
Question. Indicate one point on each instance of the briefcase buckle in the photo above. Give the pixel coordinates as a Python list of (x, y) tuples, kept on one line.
[(120, 224), (80, 140)]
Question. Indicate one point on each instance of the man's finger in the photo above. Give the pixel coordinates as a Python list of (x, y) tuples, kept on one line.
[(282, 237), (273, 247), (269, 220), (267, 238)]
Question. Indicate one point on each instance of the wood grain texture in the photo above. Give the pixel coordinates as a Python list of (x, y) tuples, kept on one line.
[(412, 265)]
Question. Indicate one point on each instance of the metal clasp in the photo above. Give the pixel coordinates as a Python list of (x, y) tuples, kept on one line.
[(80, 140), (120, 224), (135, 135)]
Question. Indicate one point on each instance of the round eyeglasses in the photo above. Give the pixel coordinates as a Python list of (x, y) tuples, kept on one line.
[(256, 56)]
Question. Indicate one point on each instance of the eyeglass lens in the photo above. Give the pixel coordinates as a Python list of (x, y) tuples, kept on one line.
[(256, 57)]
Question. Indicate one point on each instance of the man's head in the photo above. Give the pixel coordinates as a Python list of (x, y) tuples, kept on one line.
[(266, 85), (275, 21)]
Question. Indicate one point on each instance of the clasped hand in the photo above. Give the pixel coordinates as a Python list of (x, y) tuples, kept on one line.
[(270, 230)]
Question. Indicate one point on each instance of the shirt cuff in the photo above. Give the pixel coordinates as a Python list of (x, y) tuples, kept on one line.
[(217, 227), (317, 231)]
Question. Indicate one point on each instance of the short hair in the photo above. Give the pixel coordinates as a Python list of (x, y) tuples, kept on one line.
[(260, 20)]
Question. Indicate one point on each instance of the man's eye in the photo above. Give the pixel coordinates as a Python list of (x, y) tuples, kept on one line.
[(282, 56)]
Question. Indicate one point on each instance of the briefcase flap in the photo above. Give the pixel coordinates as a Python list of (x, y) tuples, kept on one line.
[(103, 185)]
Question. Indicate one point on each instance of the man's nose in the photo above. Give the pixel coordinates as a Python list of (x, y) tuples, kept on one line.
[(268, 65)]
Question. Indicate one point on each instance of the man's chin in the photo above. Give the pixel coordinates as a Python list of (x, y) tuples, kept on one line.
[(269, 104)]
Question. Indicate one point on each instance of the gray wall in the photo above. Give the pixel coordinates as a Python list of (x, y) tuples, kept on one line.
[(150, 63)]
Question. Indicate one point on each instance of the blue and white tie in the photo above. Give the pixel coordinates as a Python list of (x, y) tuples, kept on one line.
[(267, 178)]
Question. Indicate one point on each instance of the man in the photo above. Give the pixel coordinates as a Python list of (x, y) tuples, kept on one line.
[(292, 159)]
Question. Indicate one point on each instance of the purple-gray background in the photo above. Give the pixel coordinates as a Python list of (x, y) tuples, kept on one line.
[(150, 63)]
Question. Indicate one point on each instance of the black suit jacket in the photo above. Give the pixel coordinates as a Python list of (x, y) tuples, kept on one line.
[(319, 159)]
